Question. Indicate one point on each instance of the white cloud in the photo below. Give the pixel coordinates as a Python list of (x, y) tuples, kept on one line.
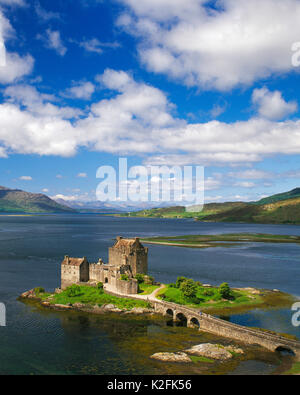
[(13, 2), (67, 198), (245, 184), (271, 105), (137, 119), (59, 176), (45, 190), (252, 174), (25, 178), (53, 40), (82, 175), (38, 103), (16, 67), (80, 90), (235, 43), (97, 46), (12, 65), (45, 15)]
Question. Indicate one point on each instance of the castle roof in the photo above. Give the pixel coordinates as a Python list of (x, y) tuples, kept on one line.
[(73, 261), (120, 243)]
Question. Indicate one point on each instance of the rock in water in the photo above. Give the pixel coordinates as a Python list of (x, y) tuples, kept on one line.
[(172, 357), (208, 350)]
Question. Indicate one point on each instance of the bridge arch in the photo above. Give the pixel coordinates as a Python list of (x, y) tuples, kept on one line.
[(285, 350), (194, 322), (181, 319), (169, 312)]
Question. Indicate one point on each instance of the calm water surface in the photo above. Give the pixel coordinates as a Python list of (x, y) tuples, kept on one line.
[(39, 341)]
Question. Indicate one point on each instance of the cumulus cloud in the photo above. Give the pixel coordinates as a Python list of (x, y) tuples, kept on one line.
[(137, 119), (38, 103), (13, 66), (221, 46), (80, 90), (271, 105), (52, 40)]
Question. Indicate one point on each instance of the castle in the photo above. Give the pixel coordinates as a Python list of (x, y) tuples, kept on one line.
[(127, 258)]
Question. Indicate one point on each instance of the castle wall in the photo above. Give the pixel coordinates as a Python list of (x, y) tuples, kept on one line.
[(69, 275)]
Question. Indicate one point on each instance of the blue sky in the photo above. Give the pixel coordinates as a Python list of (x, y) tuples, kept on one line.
[(191, 82)]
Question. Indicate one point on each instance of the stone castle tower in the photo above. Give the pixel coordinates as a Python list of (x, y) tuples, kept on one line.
[(129, 252)]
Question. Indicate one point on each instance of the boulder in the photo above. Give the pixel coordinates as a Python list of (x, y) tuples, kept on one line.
[(172, 357), (234, 349), (140, 310), (214, 351)]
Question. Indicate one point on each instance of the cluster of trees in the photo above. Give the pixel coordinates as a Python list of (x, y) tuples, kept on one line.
[(190, 288)]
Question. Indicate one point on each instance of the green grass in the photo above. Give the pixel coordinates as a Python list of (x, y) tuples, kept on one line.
[(295, 369), (208, 297), (147, 289), (93, 296), (197, 359)]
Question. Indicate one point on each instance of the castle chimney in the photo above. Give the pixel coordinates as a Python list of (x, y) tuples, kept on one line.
[(67, 258)]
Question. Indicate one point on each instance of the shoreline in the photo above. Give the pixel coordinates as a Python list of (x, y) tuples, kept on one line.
[(272, 300)]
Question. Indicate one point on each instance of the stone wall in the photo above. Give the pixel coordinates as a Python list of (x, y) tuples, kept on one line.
[(73, 274)]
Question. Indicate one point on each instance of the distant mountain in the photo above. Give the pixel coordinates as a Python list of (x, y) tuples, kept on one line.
[(101, 207), (16, 200), (277, 209)]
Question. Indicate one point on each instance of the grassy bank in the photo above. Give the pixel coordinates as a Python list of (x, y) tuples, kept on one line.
[(223, 240), (89, 296), (213, 300)]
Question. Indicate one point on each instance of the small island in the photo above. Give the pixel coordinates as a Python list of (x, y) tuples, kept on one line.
[(221, 240), (123, 286)]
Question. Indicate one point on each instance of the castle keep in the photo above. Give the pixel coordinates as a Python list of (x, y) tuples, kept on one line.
[(126, 257)]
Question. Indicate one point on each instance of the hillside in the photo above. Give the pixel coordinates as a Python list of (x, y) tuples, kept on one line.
[(295, 193), (285, 211), (276, 209), (18, 201)]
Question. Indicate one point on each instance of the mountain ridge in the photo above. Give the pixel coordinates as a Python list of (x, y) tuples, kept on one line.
[(17, 200)]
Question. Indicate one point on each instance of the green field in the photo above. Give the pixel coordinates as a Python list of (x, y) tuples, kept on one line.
[(91, 296), (211, 300)]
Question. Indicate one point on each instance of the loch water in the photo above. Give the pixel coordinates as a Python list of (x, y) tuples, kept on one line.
[(37, 341)]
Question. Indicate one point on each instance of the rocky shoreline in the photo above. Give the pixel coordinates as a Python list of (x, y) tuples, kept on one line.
[(87, 308)]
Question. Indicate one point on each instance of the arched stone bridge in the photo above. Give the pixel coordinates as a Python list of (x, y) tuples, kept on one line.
[(217, 326)]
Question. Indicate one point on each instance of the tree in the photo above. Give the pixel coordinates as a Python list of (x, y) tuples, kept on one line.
[(179, 281), (73, 290), (188, 288), (225, 291), (140, 278)]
